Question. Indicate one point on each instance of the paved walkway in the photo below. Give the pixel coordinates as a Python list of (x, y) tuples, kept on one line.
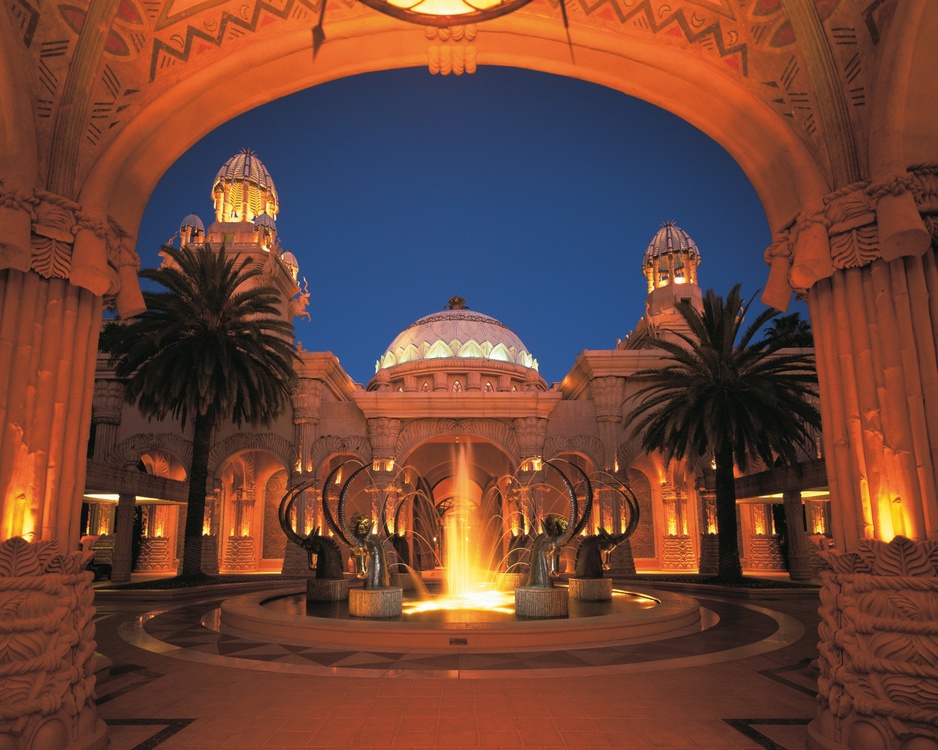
[(176, 682)]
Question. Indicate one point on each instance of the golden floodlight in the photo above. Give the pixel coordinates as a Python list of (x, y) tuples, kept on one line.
[(445, 12)]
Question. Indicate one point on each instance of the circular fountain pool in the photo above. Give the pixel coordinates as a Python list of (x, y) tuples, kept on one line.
[(630, 616)]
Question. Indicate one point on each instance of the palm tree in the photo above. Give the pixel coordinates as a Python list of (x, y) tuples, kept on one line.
[(214, 347), (793, 329), (723, 396)]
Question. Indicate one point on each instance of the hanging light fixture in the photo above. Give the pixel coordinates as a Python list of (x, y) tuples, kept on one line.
[(445, 12)]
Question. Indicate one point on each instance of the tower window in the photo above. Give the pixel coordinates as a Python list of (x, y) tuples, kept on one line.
[(457, 386)]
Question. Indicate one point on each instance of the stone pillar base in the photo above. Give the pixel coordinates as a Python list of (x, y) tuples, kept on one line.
[(327, 589), (376, 604), (540, 604), (591, 589)]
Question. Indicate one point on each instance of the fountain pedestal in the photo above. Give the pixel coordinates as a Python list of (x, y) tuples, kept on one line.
[(376, 604), (327, 589), (591, 589), (534, 603)]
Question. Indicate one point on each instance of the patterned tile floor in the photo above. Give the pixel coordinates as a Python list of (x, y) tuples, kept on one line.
[(744, 682)]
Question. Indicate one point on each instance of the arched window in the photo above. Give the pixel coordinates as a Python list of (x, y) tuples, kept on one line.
[(489, 388), (457, 386), (425, 387)]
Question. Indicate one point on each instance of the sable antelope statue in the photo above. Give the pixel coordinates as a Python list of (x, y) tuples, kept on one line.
[(589, 558), (328, 555), (556, 533), (371, 560)]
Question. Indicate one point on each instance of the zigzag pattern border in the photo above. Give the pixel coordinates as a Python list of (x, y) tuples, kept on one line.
[(228, 21), (713, 30)]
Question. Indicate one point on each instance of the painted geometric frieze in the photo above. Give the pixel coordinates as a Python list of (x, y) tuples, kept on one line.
[(111, 67), (878, 684), (47, 640)]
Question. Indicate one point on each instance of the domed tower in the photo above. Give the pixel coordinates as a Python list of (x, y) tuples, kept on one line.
[(670, 267), (192, 230), (243, 189), (455, 350), (246, 205)]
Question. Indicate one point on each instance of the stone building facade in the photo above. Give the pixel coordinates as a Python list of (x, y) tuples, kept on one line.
[(455, 378)]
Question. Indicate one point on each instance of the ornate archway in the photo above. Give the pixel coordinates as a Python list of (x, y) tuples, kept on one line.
[(828, 109)]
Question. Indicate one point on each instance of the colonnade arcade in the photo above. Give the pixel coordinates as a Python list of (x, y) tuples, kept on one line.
[(829, 112)]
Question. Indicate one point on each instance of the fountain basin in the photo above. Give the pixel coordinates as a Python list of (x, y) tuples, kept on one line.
[(669, 614)]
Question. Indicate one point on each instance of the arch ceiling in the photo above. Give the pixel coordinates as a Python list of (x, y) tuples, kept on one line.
[(119, 90)]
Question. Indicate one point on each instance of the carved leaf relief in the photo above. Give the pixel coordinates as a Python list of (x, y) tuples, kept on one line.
[(900, 557), (18, 558)]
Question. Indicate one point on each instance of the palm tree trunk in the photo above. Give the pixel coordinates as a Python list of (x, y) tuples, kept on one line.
[(729, 566), (195, 512)]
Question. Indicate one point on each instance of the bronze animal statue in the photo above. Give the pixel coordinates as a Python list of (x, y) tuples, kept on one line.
[(556, 533), (545, 553), (589, 558), (327, 553), (371, 560)]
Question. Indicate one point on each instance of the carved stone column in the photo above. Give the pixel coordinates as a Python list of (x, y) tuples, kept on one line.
[(47, 673), (383, 434), (531, 432), (53, 283), (872, 290), (106, 406), (307, 407), (608, 395), (877, 659), (121, 557)]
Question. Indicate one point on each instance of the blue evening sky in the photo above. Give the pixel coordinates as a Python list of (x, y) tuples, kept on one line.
[(531, 195)]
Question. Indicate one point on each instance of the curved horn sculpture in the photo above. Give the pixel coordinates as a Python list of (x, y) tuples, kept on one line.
[(338, 530), (283, 512), (574, 510), (589, 558), (587, 505), (370, 557), (343, 500), (328, 556), (553, 538)]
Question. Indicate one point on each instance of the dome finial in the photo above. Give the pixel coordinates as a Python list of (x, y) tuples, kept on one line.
[(456, 303)]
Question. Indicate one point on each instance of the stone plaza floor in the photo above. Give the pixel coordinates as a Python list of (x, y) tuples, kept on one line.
[(174, 681)]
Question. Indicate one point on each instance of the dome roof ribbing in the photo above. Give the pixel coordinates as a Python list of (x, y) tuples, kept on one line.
[(670, 239), (457, 332), (243, 189), (192, 222)]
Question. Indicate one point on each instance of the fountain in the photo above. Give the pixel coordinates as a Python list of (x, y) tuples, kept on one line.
[(472, 611)]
